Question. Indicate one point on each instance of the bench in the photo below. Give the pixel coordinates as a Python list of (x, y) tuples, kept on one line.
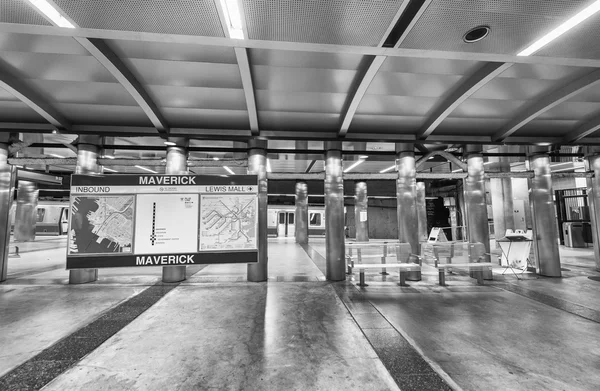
[(469, 255), (380, 252)]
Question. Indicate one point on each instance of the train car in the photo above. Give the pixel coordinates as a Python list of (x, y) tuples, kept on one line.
[(52, 217), (281, 221)]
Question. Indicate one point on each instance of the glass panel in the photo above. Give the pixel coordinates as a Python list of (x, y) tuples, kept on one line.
[(315, 218), (281, 218), (290, 218), (41, 212)]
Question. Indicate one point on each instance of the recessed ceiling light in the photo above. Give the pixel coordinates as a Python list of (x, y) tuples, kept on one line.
[(476, 34), (52, 13)]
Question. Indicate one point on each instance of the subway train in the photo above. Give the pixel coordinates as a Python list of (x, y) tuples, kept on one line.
[(52, 217)]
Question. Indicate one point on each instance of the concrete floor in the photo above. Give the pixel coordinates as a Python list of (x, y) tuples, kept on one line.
[(297, 331)]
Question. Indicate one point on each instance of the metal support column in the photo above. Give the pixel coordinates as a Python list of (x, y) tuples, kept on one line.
[(176, 164), (406, 194), (87, 163), (361, 206), (422, 212), (502, 196), (257, 165), (593, 191), (477, 217), (7, 189), (545, 232), (334, 212), (301, 212), (26, 211)]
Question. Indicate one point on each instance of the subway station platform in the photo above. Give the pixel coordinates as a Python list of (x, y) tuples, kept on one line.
[(129, 331)]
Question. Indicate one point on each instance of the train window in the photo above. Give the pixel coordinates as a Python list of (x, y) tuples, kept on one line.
[(281, 218), (290, 218), (41, 212), (315, 219)]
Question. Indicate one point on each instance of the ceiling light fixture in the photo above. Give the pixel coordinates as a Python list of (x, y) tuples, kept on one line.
[(215, 158), (52, 13), (169, 143), (147, 169), (353, 166), (476, 34), (269, 165), (233, 18), (229, 170), (387, 169), (55, 155), (110, 169), (108, 157), (563, 28)]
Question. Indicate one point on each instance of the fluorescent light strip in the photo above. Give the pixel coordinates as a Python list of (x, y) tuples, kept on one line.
[(233, 18), (52, 13), (55, 155), (229, 170), (147, 169), (563, 28), (110, 169), (108, 157), (387, 169), (269, 165), (353, 166)]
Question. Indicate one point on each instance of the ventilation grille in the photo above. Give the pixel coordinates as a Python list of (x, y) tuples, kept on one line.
[(514, 24), (341, 22), (187, 17), (18, 11)]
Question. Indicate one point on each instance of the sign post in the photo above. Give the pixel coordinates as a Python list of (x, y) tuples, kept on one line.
[(162, 220)]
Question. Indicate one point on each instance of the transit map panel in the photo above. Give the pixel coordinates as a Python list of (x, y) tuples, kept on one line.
[(162, 220)]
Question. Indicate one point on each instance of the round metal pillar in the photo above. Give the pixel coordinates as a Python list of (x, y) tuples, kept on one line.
[(422, 212), (257, 165), (301, 212), (593, 191), (87, 163), (361, 206), (406, 196), (176, 164), (475, 204), (545, 232), (26, 211), (334, 213), (7, 187), (502, 197)]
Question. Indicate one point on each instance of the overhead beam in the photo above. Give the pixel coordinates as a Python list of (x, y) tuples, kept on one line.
[(100, 50), (292, 46), (584, 130), (151, 162), (446, 155), (17, 87), (241, 55), (461, 93), (551, 100)]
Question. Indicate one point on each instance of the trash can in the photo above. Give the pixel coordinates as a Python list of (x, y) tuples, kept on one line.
[(573, 233)]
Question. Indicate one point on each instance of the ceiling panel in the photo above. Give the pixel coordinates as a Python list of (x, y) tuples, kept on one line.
[(212, 119), (429, 66), (546, 128), (21, 12), (185, 74), (342, 22), (580, 42), (288, 58), (310, 102), (188, 17), (300, 122), (198, 98), (385, 124), (406, 84), (396, 105), (591, 94), (543, 71), (173, 51), (514, 24), (5, 95), (514, 89), (489, 108), (469, 127), (17, 111), (578, 111), (40, 44), (302, 79), (50, 66), (82, 92), (104, 114)]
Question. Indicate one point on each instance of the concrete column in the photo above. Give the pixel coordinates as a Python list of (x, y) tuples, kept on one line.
[(422, 212), (593, 191), (7, 187), (334, 212), (26, 211), (361, 206), (301, 212), (257, 165), (87, 163), (176, 164), (545, 232), (502, 196), (406, 195), (477, 217)]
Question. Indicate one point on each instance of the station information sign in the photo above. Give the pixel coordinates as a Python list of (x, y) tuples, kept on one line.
[(162, 220)]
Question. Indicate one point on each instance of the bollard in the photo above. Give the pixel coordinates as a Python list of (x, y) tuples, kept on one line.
[(362, 278), (402, 278), (442, 277)]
